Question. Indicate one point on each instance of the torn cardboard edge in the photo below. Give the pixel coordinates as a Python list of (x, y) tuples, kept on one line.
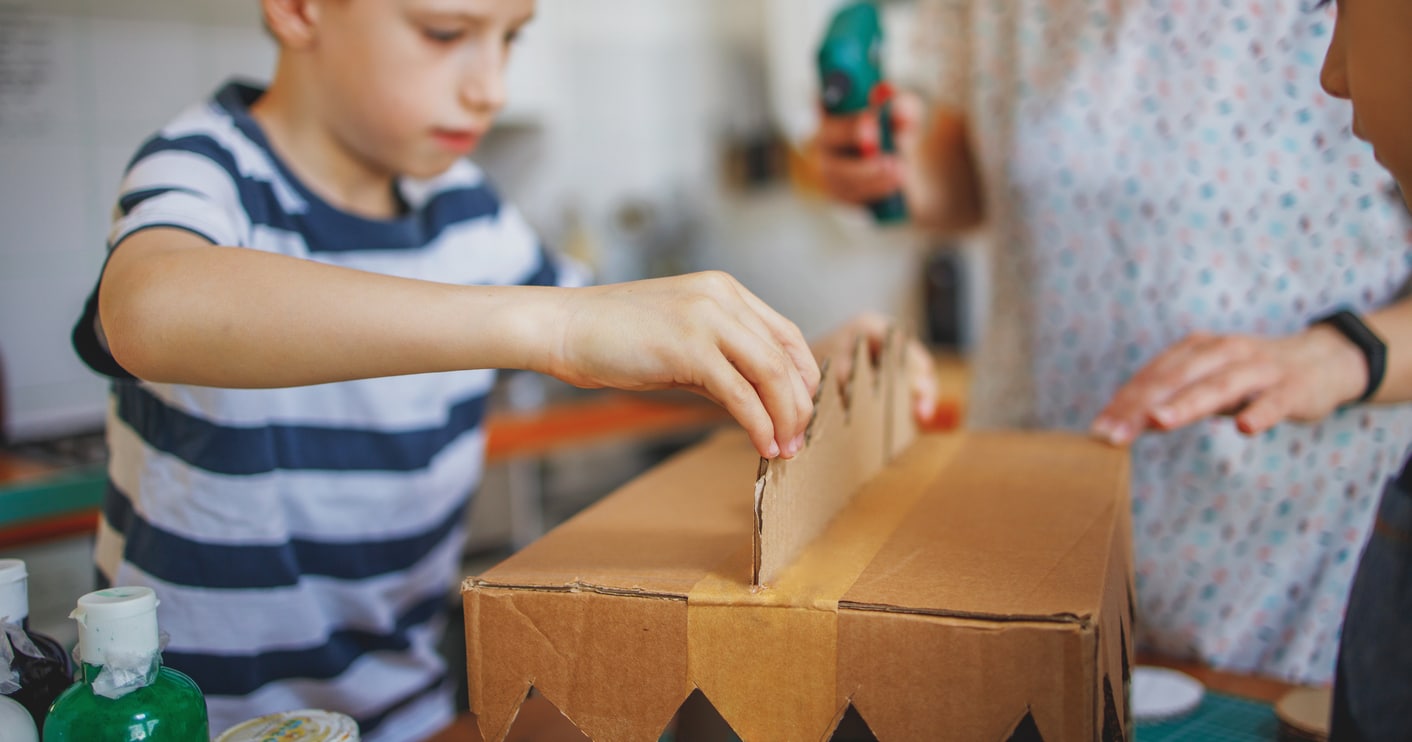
[(858, 427)]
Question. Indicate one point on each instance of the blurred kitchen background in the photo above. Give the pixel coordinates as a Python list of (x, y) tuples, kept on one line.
[(643, 137)]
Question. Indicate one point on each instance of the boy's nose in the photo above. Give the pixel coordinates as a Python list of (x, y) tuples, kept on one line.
[(483, 87)]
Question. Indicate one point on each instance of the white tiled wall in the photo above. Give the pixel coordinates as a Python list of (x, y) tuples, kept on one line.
[(99, 77)]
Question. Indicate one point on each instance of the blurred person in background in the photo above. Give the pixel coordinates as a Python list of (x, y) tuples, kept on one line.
[(1173, 207)]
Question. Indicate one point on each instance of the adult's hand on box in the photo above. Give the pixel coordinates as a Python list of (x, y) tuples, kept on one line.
[(1260, 381)]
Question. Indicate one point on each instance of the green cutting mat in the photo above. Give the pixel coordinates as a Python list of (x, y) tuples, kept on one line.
[(1219, 718)]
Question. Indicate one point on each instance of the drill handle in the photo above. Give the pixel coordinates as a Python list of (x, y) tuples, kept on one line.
[(892, 208)]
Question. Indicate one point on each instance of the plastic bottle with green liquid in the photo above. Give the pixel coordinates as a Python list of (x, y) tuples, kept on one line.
[(125, 692)]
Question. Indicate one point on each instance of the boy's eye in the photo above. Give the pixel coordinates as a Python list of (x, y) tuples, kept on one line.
[(443, 35)]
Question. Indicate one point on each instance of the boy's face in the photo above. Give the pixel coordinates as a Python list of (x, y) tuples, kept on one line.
[(1370, 63), (409, 86)]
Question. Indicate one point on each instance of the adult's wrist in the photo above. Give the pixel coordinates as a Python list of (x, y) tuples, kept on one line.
[(1360, 338)]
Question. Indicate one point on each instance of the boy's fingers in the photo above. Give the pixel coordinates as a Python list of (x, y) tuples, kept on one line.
[(776, 382), (723, 383), (802, 408), (773, 335), (779, 334), (788, 335)]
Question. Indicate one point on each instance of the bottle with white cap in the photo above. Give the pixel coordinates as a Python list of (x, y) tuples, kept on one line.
[(34, 669), (125, 692)]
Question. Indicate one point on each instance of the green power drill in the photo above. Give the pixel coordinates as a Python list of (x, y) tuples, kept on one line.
[(851, 79)]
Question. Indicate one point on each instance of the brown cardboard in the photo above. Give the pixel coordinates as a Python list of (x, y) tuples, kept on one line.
[(856, 430), (975, 583)]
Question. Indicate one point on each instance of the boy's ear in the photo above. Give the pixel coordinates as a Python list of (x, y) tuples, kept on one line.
[(291, 22)]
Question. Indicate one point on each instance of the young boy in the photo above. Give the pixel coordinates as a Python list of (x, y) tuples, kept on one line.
[(307, 288), (1370, 64)]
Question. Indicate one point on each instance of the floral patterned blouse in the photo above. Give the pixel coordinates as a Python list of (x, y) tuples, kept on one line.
[(1153, 168)]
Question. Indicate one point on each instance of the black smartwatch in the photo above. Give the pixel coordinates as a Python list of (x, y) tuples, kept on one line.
[(1374, 350)]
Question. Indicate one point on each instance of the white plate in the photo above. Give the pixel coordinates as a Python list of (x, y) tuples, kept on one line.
[(1160, 694)]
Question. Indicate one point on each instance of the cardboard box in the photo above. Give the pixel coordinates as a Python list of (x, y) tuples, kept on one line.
[(976, 587)]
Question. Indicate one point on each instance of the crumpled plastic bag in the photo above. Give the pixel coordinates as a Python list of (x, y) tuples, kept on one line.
[(13, 639), (125, 672)]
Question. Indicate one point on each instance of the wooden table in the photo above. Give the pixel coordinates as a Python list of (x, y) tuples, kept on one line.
[(538, 721)]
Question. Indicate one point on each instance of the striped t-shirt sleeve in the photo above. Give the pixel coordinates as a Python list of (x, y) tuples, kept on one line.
[(181, 182), (173, 182)]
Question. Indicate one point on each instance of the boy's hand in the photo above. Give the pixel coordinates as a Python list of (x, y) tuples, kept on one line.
[(837, 347), (1261, 381), (703, 332)]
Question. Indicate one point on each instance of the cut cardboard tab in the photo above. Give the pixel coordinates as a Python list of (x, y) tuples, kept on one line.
[(860, 423)]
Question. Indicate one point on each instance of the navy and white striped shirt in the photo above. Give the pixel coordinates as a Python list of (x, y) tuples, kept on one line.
[(302, 541)]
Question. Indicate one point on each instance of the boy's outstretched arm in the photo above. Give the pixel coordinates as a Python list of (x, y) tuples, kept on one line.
[(176, 309)]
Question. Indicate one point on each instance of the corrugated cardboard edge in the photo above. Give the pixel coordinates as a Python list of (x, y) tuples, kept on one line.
[(1120, 612), (854, 434)]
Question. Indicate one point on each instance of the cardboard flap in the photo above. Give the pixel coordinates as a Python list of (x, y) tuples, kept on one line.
[(614, 665), (989, 570), (657, 536), (915, 677), (1061, 500), (856, 430)]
